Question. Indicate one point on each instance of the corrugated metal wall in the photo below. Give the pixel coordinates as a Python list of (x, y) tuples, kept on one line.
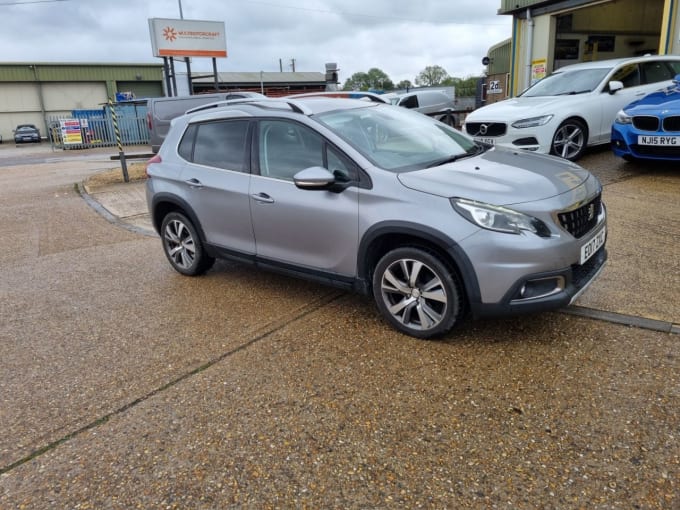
[(513, 5), (499, 57), (33, 91), (79, 72)]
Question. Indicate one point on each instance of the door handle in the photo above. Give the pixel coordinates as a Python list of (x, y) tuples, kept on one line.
[(194, 183), (263, 198)]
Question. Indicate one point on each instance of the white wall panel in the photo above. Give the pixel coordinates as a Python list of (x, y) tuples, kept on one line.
[(70, 96)]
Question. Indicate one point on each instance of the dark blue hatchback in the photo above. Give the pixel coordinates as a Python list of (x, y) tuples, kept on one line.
[(649, 128)]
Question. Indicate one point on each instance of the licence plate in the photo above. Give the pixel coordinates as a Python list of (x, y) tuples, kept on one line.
[(589, 249), (490, 141), (659, 140)]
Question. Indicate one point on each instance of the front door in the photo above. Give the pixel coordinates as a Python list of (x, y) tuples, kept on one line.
[(315, 229)]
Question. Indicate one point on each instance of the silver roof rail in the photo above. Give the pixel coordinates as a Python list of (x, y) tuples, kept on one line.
[(293, 105)]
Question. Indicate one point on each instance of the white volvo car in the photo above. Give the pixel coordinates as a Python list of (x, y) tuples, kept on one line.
[(572, 108)]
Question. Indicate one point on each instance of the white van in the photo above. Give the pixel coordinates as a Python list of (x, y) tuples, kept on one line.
[(434, 103), (161, 110)]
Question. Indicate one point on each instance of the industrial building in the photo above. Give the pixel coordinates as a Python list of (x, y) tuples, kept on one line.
[(549, 34)]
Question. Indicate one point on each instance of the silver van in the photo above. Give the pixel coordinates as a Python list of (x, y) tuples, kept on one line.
[(161, 110)]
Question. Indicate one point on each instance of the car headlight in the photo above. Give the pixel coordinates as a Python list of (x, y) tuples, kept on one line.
[(623, 118), (532, 122), (499, 219)]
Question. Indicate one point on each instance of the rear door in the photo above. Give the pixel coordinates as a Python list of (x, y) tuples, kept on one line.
[(216, 182)]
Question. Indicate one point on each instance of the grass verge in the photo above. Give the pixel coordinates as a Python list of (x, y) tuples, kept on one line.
[(136, 172)]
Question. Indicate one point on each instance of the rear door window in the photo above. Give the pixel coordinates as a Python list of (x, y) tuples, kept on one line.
[(654, 72), (222, 144)]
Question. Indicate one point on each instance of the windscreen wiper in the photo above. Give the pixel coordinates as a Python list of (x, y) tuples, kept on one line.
[(455, 157)]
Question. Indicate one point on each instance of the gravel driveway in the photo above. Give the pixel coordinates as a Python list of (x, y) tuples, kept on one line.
[(125, 385)]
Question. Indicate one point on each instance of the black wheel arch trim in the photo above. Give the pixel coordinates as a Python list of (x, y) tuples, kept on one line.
[(429, 235), (186, 209)]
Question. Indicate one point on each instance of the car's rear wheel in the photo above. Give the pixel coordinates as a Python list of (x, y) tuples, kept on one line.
[(417, 293), (183, 247), (570, 140)]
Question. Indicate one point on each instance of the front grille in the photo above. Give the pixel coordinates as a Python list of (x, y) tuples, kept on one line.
[(646, 123), (582, 220), (485, 128), (671, 123)]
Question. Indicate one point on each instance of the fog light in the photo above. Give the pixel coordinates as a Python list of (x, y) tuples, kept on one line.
[(541, 287)]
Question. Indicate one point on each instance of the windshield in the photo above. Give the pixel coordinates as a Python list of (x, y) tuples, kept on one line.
[(565, 83), (397, 139)]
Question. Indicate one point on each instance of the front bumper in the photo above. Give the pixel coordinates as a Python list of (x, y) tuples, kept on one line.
[(625, 144), (570, 283), (535, 139)]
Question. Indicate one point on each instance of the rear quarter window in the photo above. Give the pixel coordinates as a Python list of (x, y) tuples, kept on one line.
[(186, 145)]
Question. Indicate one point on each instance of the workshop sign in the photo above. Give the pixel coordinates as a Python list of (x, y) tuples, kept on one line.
[(71, 132), (187, 38)]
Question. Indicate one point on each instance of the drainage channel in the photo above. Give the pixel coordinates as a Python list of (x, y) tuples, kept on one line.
[(623, 319)]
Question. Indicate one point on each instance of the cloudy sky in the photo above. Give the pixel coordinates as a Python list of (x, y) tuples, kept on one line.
[(398, 36)]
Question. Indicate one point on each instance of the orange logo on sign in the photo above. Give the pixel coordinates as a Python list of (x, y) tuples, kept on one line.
[(169, 34)]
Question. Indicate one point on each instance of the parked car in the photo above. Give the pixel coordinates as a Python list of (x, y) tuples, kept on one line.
[(161, 111), (649, 128), (572, 108), (381, 200), (26, 133), (346, 94)]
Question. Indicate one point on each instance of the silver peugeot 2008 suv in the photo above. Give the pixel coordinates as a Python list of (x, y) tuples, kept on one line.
[(381, 200)]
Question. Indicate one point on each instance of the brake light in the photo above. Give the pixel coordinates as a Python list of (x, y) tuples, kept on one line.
[(152, 161), (148, 120)]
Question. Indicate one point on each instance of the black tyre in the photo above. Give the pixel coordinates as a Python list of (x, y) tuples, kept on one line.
[(417, 293), (183, 247), (449, 119), (570, 140)]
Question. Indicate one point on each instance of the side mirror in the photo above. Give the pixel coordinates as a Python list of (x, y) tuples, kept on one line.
[(314, 177), (615, 86), (318, 178)]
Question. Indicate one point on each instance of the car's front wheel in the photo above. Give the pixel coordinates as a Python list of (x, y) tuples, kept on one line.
[(417, 293), (183, 247), (570, 140)]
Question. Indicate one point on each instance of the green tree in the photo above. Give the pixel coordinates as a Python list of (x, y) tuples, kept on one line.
[(378, 79), (465, 87), (431, 76), (374, 79), (404, 84), (358, 81)]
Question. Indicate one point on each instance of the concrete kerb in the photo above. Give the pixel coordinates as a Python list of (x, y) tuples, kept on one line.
[(120, 204)]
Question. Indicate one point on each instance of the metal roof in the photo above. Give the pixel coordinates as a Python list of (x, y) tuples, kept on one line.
[(259, 77)]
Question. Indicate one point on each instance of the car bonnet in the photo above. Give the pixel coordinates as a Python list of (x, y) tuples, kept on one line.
[(516, 108), (499, 176), (665, 100)]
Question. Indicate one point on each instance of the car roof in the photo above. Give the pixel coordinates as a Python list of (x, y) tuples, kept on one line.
[(613, 62), (309, 106)]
